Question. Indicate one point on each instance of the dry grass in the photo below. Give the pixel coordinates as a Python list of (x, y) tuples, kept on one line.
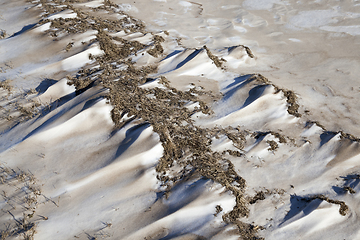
[(21, 192), (6, 85), (2, 34), (217, 61)]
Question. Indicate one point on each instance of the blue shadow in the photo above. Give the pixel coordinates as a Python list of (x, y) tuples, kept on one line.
[(24, 29)]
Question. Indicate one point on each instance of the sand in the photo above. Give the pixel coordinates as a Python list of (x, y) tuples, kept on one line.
[(179, 119)]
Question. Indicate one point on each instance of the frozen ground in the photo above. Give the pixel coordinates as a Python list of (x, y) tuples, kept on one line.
[(179, 119)]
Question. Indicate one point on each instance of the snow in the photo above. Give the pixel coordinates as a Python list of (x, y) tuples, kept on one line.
[(92, 174)]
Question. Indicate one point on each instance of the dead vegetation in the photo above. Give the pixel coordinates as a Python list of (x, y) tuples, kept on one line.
[(248, 51), (183, 142), (293, 106), (343, 207), (218, 210), (21, 193), (309, 123), (6, 85), (273, 145), (258, 197), (260, 79), (216, 60), (237, 136), (291, 98), (282, 138), (69, 46), (350, 190), (17, 108), (2, 34), (348, 136), (157, 49)]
